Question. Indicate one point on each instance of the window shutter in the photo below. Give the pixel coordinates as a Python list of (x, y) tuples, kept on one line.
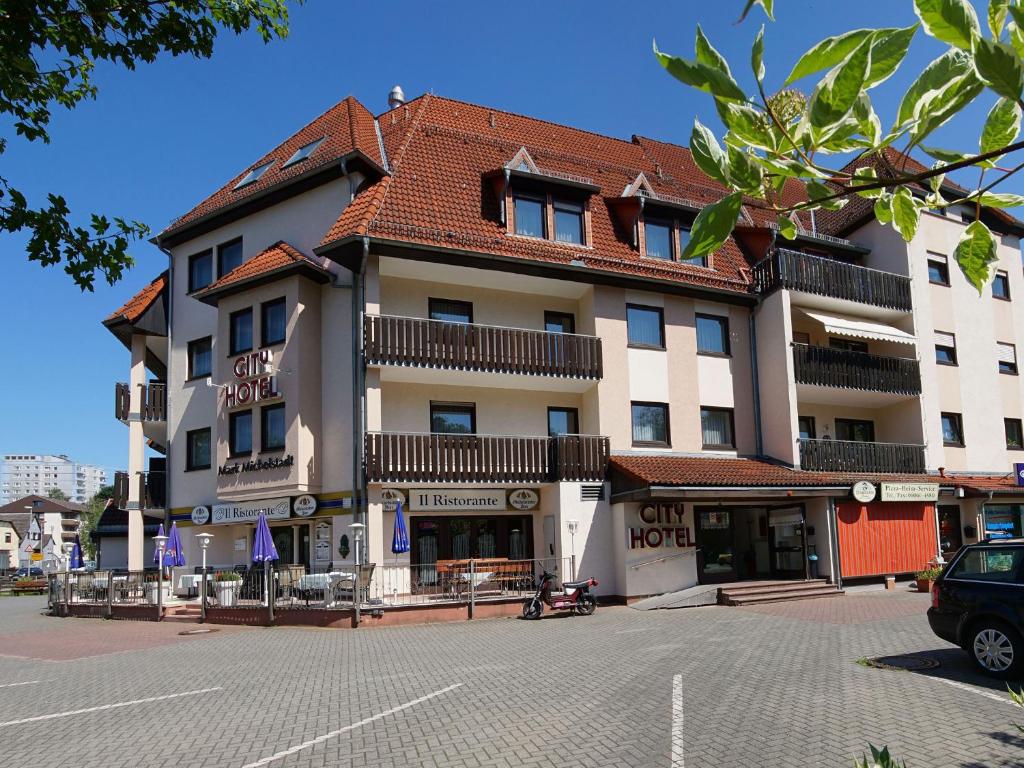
[(1007, 353), (937, 257), (945, 339)]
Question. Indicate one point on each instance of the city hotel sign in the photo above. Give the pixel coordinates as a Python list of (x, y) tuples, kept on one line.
[(661, 525), (254, 381)]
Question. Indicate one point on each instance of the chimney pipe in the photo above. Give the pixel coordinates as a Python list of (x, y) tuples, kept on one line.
[(396, 98)]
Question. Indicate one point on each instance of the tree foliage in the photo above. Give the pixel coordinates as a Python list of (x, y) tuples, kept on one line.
[(773, 139), (56, 494), (48, 51), (93, 509)]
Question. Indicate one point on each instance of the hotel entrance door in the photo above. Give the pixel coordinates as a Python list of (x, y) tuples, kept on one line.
[(716, 542)]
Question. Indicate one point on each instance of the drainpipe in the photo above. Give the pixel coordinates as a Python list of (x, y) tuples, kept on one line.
[(359, 501), (833, 534), (755, 383), (167, 385)]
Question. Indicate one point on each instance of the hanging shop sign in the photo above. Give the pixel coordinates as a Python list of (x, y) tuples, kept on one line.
[(392, 497), (257, 465), (864, 492), (200, 515), (254, 380), (304, 505), (910, 491), (249, 511), (658, 526), (441, 499), (1018, 471), (523, 499)]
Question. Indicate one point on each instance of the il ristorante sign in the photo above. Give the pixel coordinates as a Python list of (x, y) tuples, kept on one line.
[(254, 382), (247, 511)]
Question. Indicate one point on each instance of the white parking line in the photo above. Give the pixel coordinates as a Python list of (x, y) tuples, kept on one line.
[(103, 707), (971, 689), (15, 685), (347, 728), (677, 721)]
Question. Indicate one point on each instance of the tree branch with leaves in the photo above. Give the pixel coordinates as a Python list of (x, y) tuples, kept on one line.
[(772, 141)]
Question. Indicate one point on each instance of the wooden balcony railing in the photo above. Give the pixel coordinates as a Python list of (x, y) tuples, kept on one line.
[(152, 401), (827, 367), (121, 490), (828, 277), (850, 456), (393, 340), (436, 457), (150, 487)]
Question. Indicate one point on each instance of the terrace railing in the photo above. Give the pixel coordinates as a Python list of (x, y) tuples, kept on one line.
[(853, 456), (827, 367)]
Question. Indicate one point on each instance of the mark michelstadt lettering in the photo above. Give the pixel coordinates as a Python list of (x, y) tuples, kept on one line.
[(257, 465)]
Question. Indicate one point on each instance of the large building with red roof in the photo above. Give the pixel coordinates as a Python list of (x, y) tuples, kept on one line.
[(483, 322)]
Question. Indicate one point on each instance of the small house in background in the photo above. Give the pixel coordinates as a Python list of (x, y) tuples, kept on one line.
[(110, 535), (59, 520), (9, 541)]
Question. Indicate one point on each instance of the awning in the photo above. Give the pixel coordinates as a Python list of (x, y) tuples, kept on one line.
[(861, 329)]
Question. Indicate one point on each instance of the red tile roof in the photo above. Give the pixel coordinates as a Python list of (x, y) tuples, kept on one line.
[(982, 484), (278, 258), (134, 308), (697, 471), (346, 128)]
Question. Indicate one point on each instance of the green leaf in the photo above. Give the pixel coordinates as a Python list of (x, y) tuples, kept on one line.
[(867, 175), (712, 226), (975, 252), (951, 21), (746, 123), (883, 208), (939, 106), (997, 16), (888, 49), (708, 55), (905, 213), (746, 175), (701, 76), (836, 94), (952, 64), (1001, 126), (1014, 29), (945, 155), (821, 195), (707, 153), (787, 228), (757, 55), (827, 53), (1000, 199), (766, 5), (1000, 66)]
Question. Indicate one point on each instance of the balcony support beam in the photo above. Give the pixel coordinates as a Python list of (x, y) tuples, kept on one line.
[(136, 453)]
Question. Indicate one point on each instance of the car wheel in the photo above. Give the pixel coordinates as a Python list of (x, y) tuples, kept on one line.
[(996, 648)]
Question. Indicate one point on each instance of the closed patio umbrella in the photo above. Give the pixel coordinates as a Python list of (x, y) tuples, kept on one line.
[(264, 551), (174, 556), (76, 554), (400, 538)]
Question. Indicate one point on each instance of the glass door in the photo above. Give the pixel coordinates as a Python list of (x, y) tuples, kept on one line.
[(284, 542), (786, 543), (717, 547)]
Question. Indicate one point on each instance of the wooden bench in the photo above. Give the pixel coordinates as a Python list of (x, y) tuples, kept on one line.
[(33, 587)]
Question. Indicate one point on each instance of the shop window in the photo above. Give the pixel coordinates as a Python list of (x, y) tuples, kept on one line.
[(1001, 286), (645, 327), (716, 426), (1014, 434), (805, 425), (658, 239), (568, 222), (241, 331), (945, 348), (529, 216), (712, 335), (1007, 355), (229, 256), (559, 322), (563, 421), (650, 424), (453, 418), (450, 311), (197, 449), (1003, 521), (200, 358), (855, 430), (272, 427), (938, 269), (240, 433), (952, 429), (273, 321), (200, 270)]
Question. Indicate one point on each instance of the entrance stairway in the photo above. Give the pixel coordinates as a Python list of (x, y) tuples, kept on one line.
[(757, 592), (188, 614)]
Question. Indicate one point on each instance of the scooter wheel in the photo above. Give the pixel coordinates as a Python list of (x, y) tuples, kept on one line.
[(586, 605), (532, 608)]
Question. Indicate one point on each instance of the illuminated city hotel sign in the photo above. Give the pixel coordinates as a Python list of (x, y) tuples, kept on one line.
[(255, 381)]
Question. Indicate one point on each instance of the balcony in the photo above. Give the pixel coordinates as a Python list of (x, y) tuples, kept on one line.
[(153, 401), (397, 457), (830, 278), (841, 369), (419, 343), (849, 456), (151, 489)]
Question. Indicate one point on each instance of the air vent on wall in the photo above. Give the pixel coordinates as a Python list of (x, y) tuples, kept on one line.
[(592, 492)]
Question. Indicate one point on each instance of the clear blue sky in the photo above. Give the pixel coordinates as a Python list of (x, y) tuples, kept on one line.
[(159, 139)]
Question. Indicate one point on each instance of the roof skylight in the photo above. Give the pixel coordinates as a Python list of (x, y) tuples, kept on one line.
[(254, 174), (303, 152)]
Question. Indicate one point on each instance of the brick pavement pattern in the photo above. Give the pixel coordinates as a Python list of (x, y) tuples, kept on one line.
[(771, 686)]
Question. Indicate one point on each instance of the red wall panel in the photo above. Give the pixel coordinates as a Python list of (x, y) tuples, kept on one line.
[(885, 538)]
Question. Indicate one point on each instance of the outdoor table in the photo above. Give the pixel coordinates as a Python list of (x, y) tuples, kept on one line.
[(103, 581), (190, 581), (324, 581), (461, 580)]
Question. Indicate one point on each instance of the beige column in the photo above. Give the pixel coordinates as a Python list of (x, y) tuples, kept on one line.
[(136, 453)]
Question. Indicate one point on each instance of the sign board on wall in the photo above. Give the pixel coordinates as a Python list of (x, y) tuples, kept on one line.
[(864, 492), (454, 500), (910, 491), (200, 515), (392, 497), (1018, 470), (661, 525), (305, 505), (523, 499), (249, 511)]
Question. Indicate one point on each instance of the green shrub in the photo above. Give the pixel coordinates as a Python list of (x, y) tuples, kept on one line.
[(931, 573), (227, 576)]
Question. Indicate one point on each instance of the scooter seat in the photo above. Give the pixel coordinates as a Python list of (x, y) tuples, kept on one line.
[(574, 584)]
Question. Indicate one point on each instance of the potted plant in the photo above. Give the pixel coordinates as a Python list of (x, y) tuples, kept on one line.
[(226, 585), (926, 577)]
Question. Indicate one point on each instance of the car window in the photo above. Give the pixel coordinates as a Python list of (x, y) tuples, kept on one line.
[(989, 564)]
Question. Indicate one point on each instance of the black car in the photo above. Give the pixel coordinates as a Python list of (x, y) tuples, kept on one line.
[(31, 573), (978, 603)]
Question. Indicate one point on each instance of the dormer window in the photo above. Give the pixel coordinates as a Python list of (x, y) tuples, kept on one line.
[(303, 152), (568, 222), (253, 175), (529, 216), (658, 236)]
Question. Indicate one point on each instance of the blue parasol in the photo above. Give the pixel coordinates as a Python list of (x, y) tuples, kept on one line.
[(263, 548), (174, 555), (76, 554), (400, 538)]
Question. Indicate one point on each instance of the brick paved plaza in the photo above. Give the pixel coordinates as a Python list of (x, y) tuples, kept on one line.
[(766, 686)]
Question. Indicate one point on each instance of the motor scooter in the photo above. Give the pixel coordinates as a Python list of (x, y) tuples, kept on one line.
[(577, 597)]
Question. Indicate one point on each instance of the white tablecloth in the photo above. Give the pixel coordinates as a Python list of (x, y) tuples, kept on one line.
[(324, 580), (478, 578), (189, 581)]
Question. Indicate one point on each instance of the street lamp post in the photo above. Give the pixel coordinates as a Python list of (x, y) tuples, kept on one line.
[(69, 547), (161, 545), (357, 537), (573, 526), (204, 544)]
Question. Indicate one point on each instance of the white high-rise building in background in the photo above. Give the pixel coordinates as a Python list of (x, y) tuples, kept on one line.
[(23, 474)]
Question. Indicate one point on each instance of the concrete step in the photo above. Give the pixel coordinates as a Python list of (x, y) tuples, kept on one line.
[(770, 586), (778, 597)]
